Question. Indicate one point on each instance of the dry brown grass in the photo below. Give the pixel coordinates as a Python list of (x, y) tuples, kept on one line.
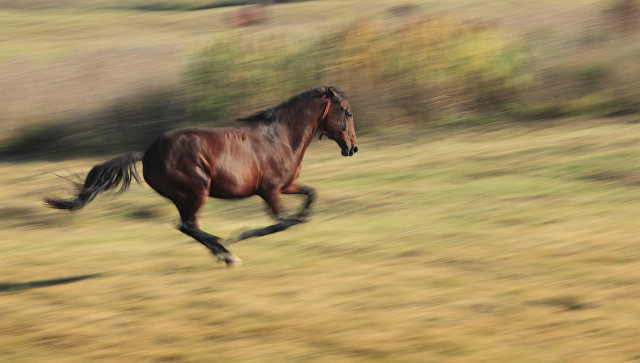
[(495, 244), (513, 244)]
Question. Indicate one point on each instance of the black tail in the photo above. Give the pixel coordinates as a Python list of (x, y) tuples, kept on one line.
[(102, 177)]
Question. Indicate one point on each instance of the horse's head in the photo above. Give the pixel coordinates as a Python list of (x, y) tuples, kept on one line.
[(337, 122)]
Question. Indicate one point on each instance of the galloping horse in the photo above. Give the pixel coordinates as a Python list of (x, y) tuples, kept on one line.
[(261, 157)]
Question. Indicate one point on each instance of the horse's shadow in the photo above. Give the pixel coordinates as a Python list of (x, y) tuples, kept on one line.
[(19, 286)]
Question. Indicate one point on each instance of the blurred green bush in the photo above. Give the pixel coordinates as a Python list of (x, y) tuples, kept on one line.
[(434, 70), (437, 69), (129, 124), (425, 70)]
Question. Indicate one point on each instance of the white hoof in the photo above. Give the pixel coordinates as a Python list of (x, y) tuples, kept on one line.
[(229, 259)]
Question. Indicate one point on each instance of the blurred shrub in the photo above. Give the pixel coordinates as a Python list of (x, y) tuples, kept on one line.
[(230, 78), (423, 70), (402, 10), (130, 124), (143, 5), (186, 5), (249, 15), (437, 69), (624, 15), (590, 77), (36, 139)]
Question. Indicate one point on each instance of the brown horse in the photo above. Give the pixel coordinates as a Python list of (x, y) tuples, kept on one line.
[(260, 157)]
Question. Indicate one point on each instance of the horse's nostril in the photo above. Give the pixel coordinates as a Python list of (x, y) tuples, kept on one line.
[(355, 149)]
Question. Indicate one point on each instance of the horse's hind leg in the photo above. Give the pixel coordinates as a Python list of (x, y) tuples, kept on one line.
[(272, 199), (188, 207)]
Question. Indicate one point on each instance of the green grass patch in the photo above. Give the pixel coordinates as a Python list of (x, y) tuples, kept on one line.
[(463, 244)]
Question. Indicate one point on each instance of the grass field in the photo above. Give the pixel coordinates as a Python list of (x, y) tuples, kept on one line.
[(515, 243), (484, 238)]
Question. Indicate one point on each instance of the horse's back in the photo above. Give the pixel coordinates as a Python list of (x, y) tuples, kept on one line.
[(234, 163), (222, 160)]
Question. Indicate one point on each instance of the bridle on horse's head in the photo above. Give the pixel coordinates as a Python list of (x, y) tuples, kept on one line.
[(324, 116)]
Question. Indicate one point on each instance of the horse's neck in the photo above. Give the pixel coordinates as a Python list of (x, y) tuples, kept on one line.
[(299, 127)]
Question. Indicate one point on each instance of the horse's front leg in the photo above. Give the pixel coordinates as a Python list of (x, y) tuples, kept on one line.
[(311, 194), (273, 200)]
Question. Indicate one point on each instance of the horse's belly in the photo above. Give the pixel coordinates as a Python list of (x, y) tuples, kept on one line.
[(229, 189), (234, 177)]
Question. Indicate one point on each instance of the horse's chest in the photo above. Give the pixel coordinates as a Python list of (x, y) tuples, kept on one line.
[(279, 171)]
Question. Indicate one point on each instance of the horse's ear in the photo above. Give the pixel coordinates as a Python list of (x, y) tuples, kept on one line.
[(332, 93)]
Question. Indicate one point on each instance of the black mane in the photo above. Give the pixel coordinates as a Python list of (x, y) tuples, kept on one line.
[(269, 115)]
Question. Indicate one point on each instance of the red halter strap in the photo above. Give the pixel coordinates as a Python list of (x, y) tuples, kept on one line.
[(326, 109), (324, 115)]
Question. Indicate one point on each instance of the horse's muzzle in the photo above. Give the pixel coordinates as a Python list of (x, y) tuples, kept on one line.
[(349, 152)]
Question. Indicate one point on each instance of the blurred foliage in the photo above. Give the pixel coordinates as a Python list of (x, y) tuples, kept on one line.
[(132, 122), (624, 15), (428, 68), (438, 69), (185, 5), (403, 66), (232, 75), (144, 5)]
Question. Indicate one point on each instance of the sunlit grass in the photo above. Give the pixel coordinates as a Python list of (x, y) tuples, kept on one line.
[(466, 245), (502, 242)]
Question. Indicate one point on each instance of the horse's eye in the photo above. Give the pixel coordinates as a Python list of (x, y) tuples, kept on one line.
[(349, 114)]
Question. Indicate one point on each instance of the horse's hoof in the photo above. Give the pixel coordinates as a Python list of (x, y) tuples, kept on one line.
[(234, 262), (229, 259)]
